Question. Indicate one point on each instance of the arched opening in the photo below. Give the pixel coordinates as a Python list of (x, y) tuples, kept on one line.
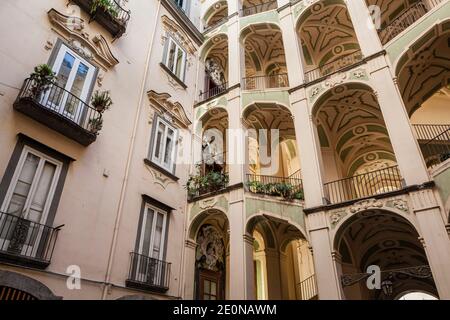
[(393, 17), (273, 158), (283, 265), (15, 286), (211, 172), (423, 74), (265, 61), (210, 231), (215, 15), (388, 241), (416, 295), (250, 7), (215, 59), (328, 39), (358, 159)]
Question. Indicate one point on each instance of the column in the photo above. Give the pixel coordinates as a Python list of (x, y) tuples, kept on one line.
[(309, 150), (327, 276), (189, 269), (292, 48), (435, 238), (367, 35), (273, 274), (407, 151), (284, 277), (241, 251), (236, 53)]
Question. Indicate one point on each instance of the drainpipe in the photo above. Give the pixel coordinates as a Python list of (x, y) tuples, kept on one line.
[(128, 163)]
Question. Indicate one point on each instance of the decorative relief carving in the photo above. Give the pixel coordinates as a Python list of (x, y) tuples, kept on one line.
[(95, 48), (401, 204), (160, 178), (177, 33), (364, 205), (337, 216), (207, 203), (174, 110)]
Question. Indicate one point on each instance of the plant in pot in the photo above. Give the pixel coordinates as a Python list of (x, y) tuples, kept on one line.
[(101, 101), (106, 5), (42, 77), (96, 124)]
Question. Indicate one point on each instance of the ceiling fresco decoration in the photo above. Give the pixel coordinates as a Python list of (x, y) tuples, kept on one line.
[(326, 33), (425, 68), (217, 50), (264, 49), (216, 13), (351, 120)]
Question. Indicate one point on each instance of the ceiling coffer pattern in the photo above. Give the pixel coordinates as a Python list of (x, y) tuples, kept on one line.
[(352, 121), (326, 32)]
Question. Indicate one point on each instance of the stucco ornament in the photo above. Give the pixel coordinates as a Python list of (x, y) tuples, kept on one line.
[(400, 204), (208, 203), (364, 205), (210, 249), (337, 216)]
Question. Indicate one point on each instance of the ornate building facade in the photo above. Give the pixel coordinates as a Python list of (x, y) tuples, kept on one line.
[(180, 149)]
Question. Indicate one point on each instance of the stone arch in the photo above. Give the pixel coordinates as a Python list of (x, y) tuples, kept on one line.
[(217, 8), (258, 221), (204, 216), (26, 284)]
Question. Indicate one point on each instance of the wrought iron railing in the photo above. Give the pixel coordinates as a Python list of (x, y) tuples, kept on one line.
[(429, 131), (334, 66), (27, 239), (364, 185), (436, 150), (308, 288), (297, 174), (289, 188), (213, 92), (111, 8), (262, 7), (266, 82), (63, 103), (149, 272)]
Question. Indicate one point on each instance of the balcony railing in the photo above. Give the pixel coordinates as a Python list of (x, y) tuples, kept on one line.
[(113, 17), (266, 82), (60, 110), (148, 273), (262, 7), (429, 131), (26, 242), (436, 150), (406, 19), (288, 188), (308, 288), (364, 185), (213, 92), (334, 66)]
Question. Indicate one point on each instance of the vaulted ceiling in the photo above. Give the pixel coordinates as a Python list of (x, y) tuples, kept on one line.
[(264, 49), (425, 68), (217, 50), (351, 121), (326, 33), (215, 13)]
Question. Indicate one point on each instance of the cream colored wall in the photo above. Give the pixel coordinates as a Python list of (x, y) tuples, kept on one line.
[(89, 202), (436, 110)]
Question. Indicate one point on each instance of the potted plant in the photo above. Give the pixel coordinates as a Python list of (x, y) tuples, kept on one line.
[(106, 5), (42, 77), (101, 101), (96, 124)]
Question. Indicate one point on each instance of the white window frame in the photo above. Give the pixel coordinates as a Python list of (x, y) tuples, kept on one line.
[(162, 249), (33, 188), (171, 41), (160, 162), (56, 66)]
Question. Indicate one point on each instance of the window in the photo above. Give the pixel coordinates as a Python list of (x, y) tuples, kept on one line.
[(163, 149), (175, 59), (75, 77), (32, 186), (152, 233), (182, 4)]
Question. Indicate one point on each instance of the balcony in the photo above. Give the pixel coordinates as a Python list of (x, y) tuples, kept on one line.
[(334, 66), (214, 92), (148, 273), (25, 242), (262, 7), (262, 83), (111, 16), (212, 177), (60, 110), (290, 188), (364, 185), (307, 289), (406, 19), (434, 142)]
